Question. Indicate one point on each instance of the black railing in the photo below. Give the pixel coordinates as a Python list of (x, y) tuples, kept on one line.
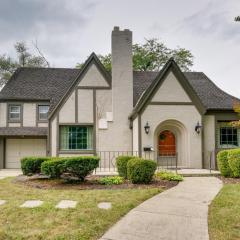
[(167, 160)]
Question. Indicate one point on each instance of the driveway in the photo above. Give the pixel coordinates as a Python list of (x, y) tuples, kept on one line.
[(9, 173), (180, 213)]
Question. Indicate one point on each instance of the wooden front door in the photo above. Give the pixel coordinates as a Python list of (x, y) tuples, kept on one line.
[(167, 144)]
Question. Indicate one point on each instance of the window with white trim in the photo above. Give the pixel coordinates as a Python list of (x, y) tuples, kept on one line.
[(14, 112), (43, 112), (76, 137)]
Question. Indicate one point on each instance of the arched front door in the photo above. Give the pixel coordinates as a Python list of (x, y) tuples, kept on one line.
[(167, 143)]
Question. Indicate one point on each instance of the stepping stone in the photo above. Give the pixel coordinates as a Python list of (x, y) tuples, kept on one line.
[(32, 204), (2, 202), (105, 205), (66, 204)]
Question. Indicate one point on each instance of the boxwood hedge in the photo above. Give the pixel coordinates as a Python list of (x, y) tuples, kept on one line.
[(140, 170), (32, 165)]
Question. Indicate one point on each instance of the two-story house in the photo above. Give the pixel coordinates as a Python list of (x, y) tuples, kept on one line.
[(63, 112)]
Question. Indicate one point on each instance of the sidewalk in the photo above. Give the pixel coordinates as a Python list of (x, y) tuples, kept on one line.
[(180, 213)]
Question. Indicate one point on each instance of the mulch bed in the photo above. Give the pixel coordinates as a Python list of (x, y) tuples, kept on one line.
[(229, 180), (90, 183)]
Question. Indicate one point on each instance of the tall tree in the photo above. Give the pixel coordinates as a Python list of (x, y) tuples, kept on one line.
[(152, 55), (237, 19), (8, 65)]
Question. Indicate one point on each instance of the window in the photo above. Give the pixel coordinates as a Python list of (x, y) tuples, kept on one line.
[(14, 112), (228, 136), (76, 137), (43, 112)]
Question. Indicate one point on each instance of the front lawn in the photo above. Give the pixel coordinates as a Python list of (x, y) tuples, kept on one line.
[(86, 221), (224, 214)]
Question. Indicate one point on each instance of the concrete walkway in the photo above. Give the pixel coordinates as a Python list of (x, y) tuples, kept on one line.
[(180, 213)]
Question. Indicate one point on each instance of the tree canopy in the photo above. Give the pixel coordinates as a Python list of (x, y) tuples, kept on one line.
[(8, 65), (152, 55)]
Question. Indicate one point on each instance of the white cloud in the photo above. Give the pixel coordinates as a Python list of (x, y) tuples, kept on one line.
[(69, 30)]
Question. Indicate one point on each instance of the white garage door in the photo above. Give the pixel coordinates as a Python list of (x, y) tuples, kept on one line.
[(19, 148)]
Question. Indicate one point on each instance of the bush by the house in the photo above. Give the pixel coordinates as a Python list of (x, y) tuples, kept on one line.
[(121, 163), (32, 165), (140, 170), (116, 180), (53, 168), (223, 164), (234, 161), (170, 176), (80, 167)]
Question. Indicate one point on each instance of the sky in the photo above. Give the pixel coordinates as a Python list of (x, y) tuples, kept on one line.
[(67, 31)]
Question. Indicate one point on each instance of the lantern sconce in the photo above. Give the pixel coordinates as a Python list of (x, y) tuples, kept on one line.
[(147, 128), (198, 128)]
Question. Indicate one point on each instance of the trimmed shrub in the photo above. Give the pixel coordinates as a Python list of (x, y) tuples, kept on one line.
[(32, 165), (121, 163), (80, 167), (170, 176), (140, 170), (223, 164), (234, 162), (116, 180), (53, 168)]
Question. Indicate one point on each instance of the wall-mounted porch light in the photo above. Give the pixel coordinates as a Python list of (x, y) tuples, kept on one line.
[(198, 128), (147, 128)]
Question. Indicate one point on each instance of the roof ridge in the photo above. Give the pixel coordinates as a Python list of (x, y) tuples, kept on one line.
[(50, 68)]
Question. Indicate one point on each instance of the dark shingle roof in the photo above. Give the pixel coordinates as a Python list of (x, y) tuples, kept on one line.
[(39, 84), (211, 96), (52, 83), (23, 131)]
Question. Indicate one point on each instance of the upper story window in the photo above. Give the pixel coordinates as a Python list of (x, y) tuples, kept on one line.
[(76, 137), (43, 112), (14, 112), (228, 135)]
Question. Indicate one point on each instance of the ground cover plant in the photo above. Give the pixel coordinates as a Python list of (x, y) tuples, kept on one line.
[(170, 176)]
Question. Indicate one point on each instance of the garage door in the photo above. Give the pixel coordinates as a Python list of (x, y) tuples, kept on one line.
[(19, 148)]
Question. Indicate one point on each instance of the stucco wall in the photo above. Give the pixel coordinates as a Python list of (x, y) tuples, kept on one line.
[(209, 137), (1, 153), (14, 124), (67, 112), (135, 135), (93, 78), (54, 137), (29, 114), (171, 91), (3, 113), (42, 124), (104, 102), (85, 106), (188, 116)]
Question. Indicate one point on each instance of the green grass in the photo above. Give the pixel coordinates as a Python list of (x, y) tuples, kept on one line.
[(86, 221), (224, 214)]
